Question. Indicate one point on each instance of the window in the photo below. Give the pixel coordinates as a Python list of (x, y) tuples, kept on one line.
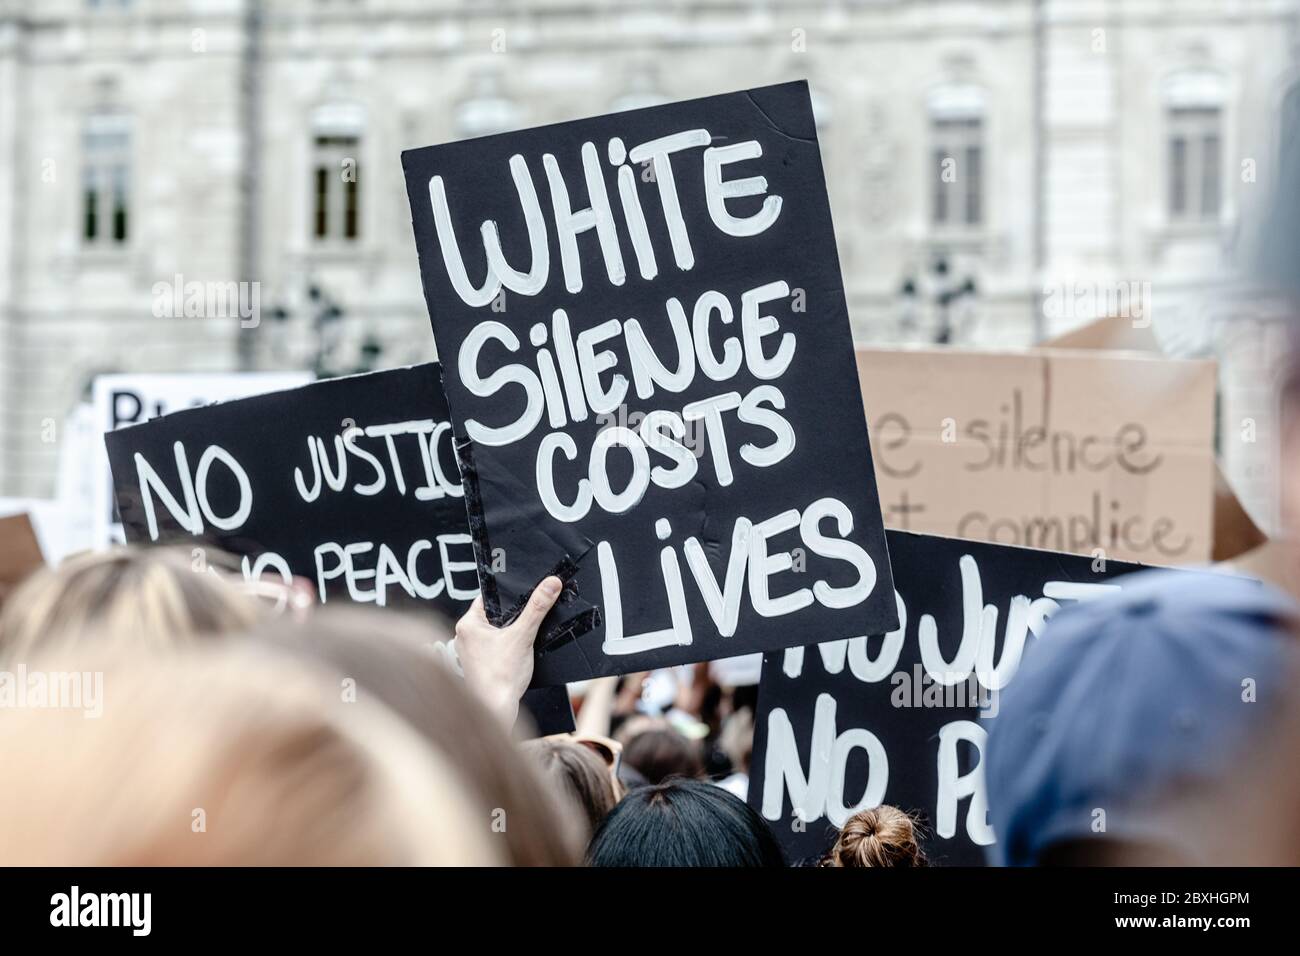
[(1194, 147), (335, 209), (958, 172), (1195, 171), (957, 157), (106, 180), (337, 131)]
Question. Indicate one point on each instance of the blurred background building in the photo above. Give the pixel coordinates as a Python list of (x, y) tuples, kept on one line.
[(1000, 170)]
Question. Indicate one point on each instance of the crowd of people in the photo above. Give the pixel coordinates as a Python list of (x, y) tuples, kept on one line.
[(214, 726), (232, 729)]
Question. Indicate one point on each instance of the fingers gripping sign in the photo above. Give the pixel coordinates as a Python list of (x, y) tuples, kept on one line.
[(498, 661)]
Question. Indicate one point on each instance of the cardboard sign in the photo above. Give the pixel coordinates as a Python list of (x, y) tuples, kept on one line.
[(129, 399), (350, 483), (1064, 450), (901, 719), (649, 365), (1235, 531), (48, 521), (20, 553)]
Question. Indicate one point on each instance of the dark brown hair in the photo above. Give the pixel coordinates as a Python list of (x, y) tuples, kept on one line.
[(660, 753)]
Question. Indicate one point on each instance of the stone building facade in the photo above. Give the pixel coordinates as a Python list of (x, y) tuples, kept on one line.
[(1000, 170)]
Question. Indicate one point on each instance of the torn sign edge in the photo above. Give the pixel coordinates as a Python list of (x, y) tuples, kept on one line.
[(564, 632)]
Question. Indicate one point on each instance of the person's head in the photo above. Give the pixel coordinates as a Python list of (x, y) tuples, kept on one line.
[(394, 659), (881, 836), (660, 752), (1124, 707), (142, 597), (683, 823), (1274, 294), (576, 775), (227, 754), (736, 739)]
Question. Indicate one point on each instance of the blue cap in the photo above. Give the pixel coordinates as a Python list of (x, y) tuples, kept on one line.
[(1130, 698)]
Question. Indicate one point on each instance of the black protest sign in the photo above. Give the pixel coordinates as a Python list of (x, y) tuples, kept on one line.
[(350, 483), (651, 374), (901, 718)]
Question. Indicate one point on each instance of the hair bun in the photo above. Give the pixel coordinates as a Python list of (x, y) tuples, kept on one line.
[(881, 836)]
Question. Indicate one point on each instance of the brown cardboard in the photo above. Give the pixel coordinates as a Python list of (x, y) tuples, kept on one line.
[(1061, 449), (1235, 532), (20, 553), (1276, 561), (1114, 334)]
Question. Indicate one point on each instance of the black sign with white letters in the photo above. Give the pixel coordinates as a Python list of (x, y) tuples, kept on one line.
[(350, 483), (648, 361), (902, 718)]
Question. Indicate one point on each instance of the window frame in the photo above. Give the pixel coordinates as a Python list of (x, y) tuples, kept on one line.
[(1194, 181), (106, 177), (336, 132), (337, 219), (1194, 146), (957, 127)]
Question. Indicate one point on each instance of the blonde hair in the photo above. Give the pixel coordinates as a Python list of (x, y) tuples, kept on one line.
[(882, 836), (227, 755), (146, 597), (392, 658)]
